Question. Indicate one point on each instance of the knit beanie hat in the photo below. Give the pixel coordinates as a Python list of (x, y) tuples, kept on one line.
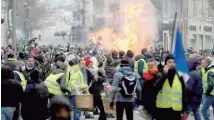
[(170, 56), (124, 62), (88, 62)]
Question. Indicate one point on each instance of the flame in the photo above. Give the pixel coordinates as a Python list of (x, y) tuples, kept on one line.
[(130, 36)]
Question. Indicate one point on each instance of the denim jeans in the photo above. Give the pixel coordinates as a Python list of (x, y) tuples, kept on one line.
[(207, 102), (7, 113), (195, 111), (76, 111)]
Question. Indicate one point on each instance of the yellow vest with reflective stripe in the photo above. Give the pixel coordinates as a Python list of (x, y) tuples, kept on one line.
[(51, 83), (203, 72), (23, 80), (170, 97), (76, 78), (136, 66), (204, 79)]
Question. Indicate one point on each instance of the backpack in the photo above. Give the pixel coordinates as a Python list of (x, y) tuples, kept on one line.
[(128, 86)]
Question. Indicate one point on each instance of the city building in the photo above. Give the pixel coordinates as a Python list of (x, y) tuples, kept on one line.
[(200, 24), (195, 19)]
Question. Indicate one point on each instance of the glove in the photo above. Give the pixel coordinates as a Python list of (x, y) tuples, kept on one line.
[(138, 102), (111, 105)]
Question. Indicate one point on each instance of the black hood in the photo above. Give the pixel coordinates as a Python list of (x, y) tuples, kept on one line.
[(6, 73)]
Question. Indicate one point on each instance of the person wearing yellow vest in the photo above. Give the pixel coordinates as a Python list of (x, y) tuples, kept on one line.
[(140, 67), (170, 100), (77, 83), (208, 87), (56, 81), (18, 75)]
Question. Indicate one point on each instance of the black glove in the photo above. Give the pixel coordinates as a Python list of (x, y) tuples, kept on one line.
[(111, 105), (138, 102)]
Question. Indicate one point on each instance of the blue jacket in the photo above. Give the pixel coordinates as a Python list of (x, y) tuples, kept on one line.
[(194, 89)]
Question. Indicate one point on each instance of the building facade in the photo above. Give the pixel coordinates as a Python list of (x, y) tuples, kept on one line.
[(200, 24), (195, 19)]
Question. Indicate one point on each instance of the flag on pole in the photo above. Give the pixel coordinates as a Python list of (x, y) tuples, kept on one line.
[(179, 54)]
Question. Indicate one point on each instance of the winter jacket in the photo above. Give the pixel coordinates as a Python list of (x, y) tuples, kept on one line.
[(140, 64), (11, 90), (97, 86), (131, 62), (110, 70), (194, 89), (149, 93), (35, 101), (194, 85), (210, 81), (124, 71)]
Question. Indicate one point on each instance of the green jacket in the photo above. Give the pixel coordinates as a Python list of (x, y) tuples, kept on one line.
[(210, 80)]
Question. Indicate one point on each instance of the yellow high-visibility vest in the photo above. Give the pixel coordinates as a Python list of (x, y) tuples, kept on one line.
[(23, 80), (76, 78), (203, 72), (68, 76), (170, 97), (136, 66), (51, 83), (204, 81)]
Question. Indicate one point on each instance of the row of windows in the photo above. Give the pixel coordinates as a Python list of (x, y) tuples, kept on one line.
[(206, 28), (195, 7)]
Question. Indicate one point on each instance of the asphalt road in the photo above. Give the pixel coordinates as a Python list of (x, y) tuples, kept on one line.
[(138, 117)]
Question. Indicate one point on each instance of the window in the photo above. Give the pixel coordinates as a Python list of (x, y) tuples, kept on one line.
[(195, 9)]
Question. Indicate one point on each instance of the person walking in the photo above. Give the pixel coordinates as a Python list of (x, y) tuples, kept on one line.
[(11, 93), (149, 93), (171, 98), (35, 99), (194, 90), (56, 81), (140, 66), (125, 85), (208, 87)]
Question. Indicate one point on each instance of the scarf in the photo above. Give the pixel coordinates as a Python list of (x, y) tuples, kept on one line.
[(151, 73)]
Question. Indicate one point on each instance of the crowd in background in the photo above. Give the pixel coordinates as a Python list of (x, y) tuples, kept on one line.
[(40, 82)]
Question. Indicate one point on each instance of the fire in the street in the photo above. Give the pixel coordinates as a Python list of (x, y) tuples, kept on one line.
[(132, 36)]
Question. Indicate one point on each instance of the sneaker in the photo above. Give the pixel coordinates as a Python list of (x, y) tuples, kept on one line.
[(89, 116)]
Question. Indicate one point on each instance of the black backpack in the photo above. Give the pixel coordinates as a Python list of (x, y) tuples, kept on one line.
[(128, 86)]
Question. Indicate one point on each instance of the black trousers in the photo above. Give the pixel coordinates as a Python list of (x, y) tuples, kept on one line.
[(168, 114), (128, 107), (99, 103)]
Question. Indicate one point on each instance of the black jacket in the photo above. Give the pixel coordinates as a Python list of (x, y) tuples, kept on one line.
[(11, 89), (35, 101), (11, 93)]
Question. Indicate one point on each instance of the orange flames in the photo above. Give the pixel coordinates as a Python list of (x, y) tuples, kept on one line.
[(130, 36)]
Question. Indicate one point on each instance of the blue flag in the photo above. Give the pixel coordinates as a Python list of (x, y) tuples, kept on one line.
[(179, 54)]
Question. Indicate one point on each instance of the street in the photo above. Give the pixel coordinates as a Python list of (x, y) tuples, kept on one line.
[(137, 116)]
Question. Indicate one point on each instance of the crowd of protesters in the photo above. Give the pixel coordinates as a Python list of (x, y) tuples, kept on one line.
[(41, 83)]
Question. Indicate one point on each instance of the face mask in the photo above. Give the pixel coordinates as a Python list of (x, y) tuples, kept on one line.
[(23, 68)]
